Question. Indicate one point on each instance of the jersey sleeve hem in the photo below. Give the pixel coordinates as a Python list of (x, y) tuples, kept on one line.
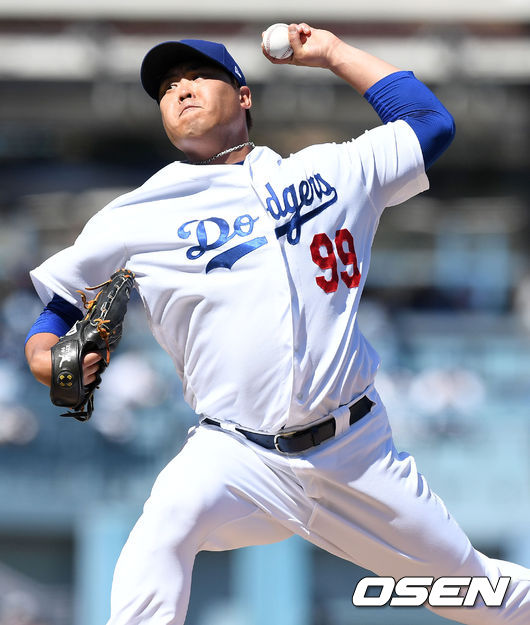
[(46, 287), (418, 183)]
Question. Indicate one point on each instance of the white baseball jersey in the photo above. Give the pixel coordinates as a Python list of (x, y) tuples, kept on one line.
[(251, 274)]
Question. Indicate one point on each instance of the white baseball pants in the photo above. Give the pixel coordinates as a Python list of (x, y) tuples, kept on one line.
[(355, 496)]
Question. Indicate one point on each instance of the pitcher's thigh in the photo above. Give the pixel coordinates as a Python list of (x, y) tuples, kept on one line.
[(192, 507), (383, 516), (386, 519)]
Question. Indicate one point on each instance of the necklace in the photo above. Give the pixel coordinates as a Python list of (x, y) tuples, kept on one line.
[(236, 147)]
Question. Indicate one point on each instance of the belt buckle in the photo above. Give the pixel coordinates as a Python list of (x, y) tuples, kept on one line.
[(282, 435)]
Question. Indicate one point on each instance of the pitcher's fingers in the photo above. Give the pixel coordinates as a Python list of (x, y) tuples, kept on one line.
[(304, 28), (91, 358), (90, 367)]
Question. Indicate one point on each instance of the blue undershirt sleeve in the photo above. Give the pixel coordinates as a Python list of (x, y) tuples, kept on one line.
[(56, 318), (402, 96)]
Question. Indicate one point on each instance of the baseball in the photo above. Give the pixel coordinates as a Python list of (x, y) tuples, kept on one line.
[(276, 41)]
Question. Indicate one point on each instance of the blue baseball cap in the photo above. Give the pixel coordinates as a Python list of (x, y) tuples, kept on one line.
[(160, 59)]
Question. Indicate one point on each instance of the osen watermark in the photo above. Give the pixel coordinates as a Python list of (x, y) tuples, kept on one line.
[(416, 591)]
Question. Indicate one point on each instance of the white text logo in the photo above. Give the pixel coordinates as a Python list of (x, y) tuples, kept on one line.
[(416, 591)]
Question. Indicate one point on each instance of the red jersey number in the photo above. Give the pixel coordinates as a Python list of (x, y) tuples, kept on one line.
[(323, 254)]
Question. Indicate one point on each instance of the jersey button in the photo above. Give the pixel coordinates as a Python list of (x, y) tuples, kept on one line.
[(299, 395)]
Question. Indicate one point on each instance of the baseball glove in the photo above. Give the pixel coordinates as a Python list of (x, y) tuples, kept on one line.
[(99, 331)]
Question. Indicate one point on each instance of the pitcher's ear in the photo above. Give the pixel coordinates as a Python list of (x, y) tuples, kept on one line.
[(245, 97)]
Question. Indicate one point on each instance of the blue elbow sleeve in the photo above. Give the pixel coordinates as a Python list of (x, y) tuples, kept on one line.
[(56, 318), (402, 96)]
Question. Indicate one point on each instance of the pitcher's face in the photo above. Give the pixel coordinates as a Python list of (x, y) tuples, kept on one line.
[(197, 100)]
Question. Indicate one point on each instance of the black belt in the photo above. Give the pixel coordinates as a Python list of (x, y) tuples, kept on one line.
[(300, 440)]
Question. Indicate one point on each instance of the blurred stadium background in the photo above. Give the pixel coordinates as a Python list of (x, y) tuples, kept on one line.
[(447, 303)]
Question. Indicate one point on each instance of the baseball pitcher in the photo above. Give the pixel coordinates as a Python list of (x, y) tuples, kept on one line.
[(251, 267)]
